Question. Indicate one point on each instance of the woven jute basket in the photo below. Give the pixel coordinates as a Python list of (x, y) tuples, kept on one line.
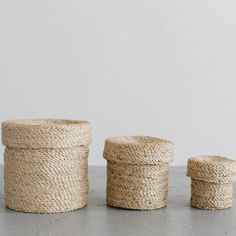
[(45, 164), (137, 171), (211, 182)]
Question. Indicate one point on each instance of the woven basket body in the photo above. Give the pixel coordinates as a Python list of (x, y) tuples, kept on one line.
[(211, 182), (137, 172), (45, 165)]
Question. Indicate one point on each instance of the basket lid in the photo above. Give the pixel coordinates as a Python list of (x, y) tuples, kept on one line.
[(138, 150), (214, 169), (45, 133)]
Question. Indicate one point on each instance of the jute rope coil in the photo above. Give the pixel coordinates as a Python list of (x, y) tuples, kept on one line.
[(46, 179), (137, 172), (211, 182)]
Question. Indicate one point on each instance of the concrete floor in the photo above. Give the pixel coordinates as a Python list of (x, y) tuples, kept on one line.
[(98, 219)]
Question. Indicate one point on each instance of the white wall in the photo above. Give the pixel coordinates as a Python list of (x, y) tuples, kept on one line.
[(165, 68)]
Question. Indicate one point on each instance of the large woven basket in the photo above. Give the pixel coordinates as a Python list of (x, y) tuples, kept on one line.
[(211, 182), (45, 165), (137, 172)]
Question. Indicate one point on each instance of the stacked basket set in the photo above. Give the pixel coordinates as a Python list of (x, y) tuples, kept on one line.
[(46, 169)]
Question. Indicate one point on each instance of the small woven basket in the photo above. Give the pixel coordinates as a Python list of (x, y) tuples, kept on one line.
[(137, 171), (211, 182), (45, 165)]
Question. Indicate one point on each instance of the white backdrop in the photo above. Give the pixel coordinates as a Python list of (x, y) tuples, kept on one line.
[(157, 67)]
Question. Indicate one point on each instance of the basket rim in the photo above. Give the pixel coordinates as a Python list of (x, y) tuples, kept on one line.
[(37, 123), (211, 160), (136, 140)]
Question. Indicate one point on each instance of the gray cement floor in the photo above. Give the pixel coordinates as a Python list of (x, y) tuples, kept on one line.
[(98, 219)]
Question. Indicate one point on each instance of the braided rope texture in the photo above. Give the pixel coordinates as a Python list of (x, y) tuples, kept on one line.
[(137, 171), (211, 182), (46, 179), (47, 133)]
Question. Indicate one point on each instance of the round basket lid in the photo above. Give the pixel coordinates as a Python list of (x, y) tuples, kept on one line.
[(138, 150), (45, 133), (213, 169)]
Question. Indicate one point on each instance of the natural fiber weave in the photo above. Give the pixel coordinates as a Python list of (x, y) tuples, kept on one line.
[(211, 182), (138, 150), (205, 195), (44, 180), (47, 133), (137, 172)]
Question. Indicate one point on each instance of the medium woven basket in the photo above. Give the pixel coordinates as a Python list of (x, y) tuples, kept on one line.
[(211, 182), (45, 165), (137, 171)]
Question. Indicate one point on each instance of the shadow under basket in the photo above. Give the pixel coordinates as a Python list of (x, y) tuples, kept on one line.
[(211, 182), (45, 165), (137, 172)]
